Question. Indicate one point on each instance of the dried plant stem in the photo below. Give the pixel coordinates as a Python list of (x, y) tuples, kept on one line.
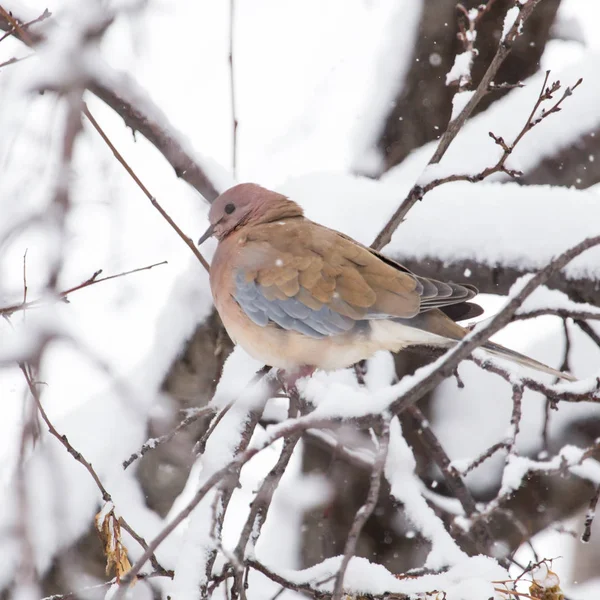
[(106, 497)]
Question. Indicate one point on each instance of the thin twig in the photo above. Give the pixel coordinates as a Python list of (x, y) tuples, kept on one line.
[(15, 28), (517, 413), (477, 462), (290, 585), (94, 279), (25, 288), (563, 313), (106, 497), (416, 193), (82, 593), (481, 535), (261, 503), (588, 330), (21, 26), (545, 467), (26, 572), (200, 445), (158, 569), (365, 511), (552, 394), (151, 444), (467, 35), (14, 60), (188, 241)]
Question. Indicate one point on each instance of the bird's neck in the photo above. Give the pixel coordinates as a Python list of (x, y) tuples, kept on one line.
[(275, 210)]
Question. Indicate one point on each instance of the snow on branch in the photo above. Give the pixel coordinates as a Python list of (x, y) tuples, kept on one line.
[(208, 565), (228, 450), (133, 105), (460, 74), (436, 174)]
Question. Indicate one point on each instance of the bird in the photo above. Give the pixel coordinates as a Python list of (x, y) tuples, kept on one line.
[(299, 296)]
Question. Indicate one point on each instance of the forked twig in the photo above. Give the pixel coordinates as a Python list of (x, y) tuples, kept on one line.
[(94, 279), (416, 192)]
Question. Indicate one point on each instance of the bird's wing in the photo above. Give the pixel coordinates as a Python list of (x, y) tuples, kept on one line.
[(305, 277)]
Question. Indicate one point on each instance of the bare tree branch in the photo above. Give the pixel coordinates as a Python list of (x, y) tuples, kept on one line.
[(416, 193), (463, 349), (94, 279), (124, 96), (186, 239), (589, 516), (153, 443), (106, 497)]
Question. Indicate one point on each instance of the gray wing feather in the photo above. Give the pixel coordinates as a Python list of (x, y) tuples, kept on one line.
[(293, 315), (289, 314)]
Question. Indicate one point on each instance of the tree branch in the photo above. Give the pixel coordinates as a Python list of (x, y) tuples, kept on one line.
[(416, 193), (138, 112), (9, 310)]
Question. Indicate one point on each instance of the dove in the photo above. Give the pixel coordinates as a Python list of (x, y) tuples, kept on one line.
[(297, 295)]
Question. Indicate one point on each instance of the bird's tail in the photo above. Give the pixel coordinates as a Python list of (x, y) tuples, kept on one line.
[(521, 359), (439, 324)]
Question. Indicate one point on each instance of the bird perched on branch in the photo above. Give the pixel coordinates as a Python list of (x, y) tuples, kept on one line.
[(296, 295)]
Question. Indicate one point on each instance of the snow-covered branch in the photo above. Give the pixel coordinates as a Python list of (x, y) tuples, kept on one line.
[(139, 113), (524, 11)]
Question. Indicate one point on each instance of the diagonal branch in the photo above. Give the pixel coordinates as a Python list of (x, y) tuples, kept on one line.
[(165, 215), (106, 497), (446, 365), (132, 104), (94, 279), (416, 194)]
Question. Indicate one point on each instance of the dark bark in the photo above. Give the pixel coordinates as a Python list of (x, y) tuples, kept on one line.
[(190, 383)]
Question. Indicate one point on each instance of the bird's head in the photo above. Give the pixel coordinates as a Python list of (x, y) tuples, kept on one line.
[(247, 204)]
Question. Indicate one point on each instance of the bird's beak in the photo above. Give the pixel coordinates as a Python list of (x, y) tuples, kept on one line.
[(206, 234)]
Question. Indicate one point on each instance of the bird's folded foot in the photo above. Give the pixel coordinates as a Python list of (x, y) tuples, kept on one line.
[(290, 378)]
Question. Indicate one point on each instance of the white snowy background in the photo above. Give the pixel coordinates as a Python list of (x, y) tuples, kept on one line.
[(313, 79)]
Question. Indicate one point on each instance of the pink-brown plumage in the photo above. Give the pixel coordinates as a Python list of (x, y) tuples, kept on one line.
[(296, 294)]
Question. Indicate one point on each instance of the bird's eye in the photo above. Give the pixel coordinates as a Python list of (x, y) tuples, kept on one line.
[(229, 208)]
